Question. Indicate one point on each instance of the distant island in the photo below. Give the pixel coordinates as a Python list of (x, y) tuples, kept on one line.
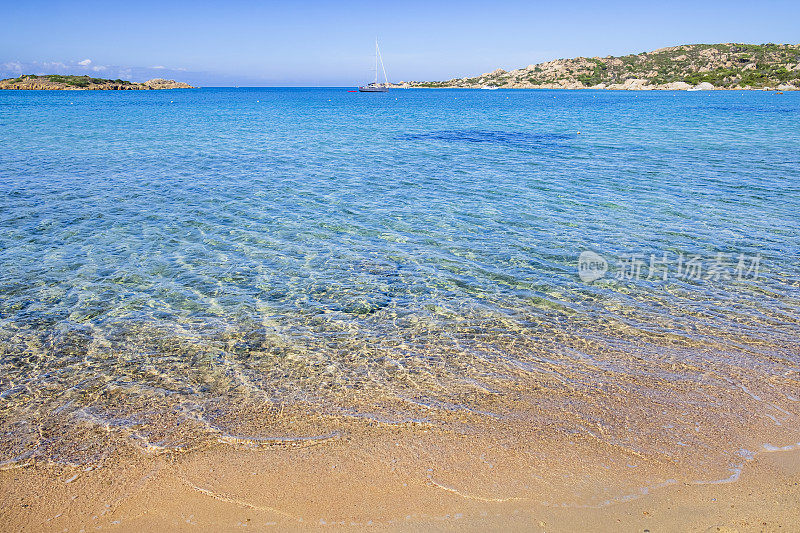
[(57, 82), (690, 66)]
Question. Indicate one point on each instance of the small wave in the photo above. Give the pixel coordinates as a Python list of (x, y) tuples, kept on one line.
[(277, 441)]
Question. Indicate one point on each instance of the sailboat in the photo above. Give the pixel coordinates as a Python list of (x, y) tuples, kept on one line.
[(376, 87)]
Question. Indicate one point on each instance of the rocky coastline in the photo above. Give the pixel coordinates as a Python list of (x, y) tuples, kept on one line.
[(728, 66), (57, 82)]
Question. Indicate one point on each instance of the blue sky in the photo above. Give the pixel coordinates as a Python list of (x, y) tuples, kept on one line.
[(331, 43)]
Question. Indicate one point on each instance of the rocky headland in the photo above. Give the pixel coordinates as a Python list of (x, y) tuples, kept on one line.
[(57, 82), (692, 66)]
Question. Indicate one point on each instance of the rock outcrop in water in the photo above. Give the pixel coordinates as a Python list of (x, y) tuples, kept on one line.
[(58, 82), (161, 83), (701, 66)]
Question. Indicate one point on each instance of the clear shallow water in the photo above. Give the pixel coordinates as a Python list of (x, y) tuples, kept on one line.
[(179, 266)]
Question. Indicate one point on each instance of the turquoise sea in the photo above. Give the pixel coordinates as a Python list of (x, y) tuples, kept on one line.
[(185, 266)]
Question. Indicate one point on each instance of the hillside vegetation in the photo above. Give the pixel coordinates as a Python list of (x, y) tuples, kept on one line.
[(721, 66)]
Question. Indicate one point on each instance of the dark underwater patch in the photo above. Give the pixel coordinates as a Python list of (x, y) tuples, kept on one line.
[(508, 138)]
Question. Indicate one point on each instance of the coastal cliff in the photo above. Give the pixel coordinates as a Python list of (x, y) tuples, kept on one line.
[(700, 66), (57, 82)]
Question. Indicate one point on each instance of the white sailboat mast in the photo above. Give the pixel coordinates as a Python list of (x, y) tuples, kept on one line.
[(378, 56)]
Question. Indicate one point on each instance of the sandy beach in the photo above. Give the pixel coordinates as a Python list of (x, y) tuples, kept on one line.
[(395, 478)]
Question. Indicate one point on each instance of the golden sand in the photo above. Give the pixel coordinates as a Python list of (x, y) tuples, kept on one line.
[(407, 477)]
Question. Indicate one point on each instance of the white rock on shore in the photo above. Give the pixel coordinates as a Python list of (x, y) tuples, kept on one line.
[(676, 86)]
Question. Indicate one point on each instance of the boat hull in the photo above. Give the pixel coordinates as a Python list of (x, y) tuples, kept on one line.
[(373, 89)]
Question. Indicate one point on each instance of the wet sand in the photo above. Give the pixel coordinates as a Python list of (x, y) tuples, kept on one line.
[(407, 477)]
